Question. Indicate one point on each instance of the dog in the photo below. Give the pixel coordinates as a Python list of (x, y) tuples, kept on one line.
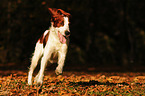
[(52, 46)]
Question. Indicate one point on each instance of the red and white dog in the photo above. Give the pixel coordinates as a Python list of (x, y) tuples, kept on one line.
[(52, 45)]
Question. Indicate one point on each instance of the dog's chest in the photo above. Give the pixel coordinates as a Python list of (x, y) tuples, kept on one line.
[(54, 47), (54, 43)]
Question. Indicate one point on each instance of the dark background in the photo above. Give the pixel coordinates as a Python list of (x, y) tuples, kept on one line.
[(103, 32)]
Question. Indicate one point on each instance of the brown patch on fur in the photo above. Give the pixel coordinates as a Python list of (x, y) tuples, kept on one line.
[(55, 12), (43, 39), (58, 21), (64, 13), (57, 16)]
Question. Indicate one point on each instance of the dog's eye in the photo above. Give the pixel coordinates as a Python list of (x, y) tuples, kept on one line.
[(62, 23), (54, 19)]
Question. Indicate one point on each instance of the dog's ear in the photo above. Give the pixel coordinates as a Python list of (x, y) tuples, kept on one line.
[(52, 11), (60, 11), (57, 12)]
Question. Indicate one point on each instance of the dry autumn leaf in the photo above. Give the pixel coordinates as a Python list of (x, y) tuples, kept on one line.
[(74, 84)]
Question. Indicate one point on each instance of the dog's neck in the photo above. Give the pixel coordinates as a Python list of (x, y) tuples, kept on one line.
[(60, 31)]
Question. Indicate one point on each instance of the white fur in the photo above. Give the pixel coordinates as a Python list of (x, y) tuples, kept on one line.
[(53, 48), (65, 27)]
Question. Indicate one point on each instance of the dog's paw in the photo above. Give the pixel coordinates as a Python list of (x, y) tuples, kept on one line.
[(57, 72), (38, 82), (36, 78), (29, 82)]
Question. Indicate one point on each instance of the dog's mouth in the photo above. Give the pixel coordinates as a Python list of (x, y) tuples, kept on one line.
[(62, 38)]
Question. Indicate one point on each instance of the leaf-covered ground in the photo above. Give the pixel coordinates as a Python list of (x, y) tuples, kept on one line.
[(74, 83)]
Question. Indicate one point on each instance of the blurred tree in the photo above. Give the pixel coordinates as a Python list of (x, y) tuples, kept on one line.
[(102, 32)]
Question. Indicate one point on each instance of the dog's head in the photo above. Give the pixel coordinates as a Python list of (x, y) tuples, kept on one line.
[(60, 21)]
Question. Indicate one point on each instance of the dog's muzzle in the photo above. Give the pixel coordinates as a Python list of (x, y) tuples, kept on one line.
[(67, 33)]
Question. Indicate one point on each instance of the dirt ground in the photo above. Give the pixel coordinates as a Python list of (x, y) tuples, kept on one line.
[(80, 81)]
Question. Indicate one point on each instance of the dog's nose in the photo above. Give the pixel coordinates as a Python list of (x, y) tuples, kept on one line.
[(67, 33)]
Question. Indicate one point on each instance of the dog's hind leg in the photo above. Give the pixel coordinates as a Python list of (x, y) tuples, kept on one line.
[(37, 55)]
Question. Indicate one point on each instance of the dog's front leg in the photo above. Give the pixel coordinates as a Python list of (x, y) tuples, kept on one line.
[(61, 60), (40, 75), (37, 55), (59, 68)]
